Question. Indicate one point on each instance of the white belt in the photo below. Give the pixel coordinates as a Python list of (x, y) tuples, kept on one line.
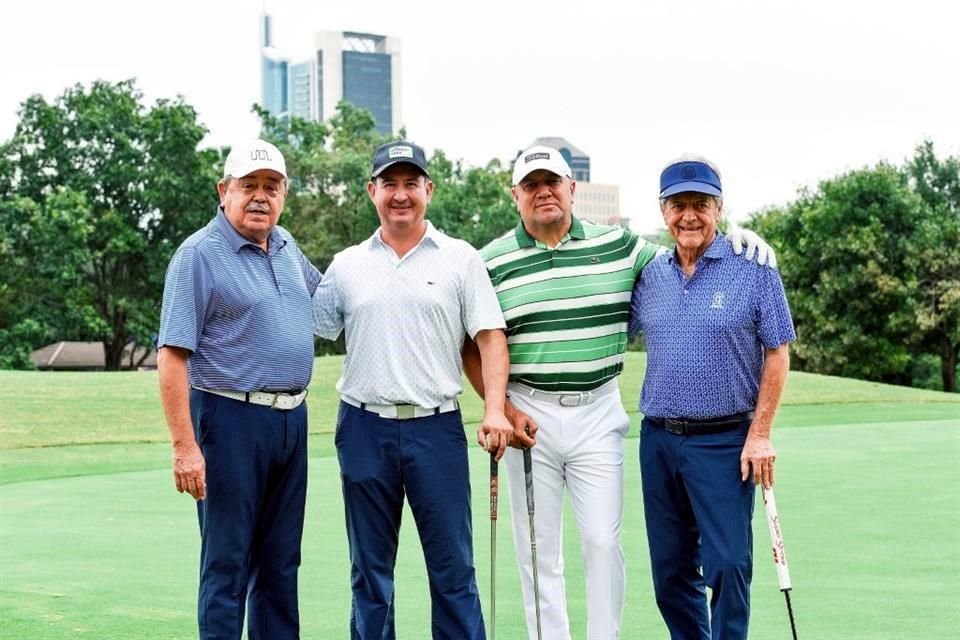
[(279, 400), (403, 411), (565, 398)]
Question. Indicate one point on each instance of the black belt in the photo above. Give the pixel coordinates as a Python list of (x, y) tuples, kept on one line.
[(699, 426)]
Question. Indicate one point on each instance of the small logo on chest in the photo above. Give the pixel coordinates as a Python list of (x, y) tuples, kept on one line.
[(718, 299), (594, 259)]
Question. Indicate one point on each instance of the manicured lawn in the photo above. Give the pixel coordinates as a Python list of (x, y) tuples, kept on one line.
[(94, 541)]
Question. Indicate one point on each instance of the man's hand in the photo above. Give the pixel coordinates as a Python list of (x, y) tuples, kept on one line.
[(739, 237), (758, 454), (189, 470), (494, 433), (524, 428)]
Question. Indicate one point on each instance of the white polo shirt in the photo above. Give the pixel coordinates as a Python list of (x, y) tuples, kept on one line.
[(405, 318)]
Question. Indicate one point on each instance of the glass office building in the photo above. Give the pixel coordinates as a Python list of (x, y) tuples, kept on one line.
[(360, 68)]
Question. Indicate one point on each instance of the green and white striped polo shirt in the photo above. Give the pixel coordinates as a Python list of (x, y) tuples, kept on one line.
[(567, 308)]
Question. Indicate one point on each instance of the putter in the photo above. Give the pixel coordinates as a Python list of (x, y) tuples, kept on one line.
[(528, 478), (494, 493), (779, 555)]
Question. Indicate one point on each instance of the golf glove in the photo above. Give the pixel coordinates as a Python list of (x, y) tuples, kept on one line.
[(739, 237)]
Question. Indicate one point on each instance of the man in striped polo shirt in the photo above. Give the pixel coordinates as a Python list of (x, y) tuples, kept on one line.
[(236, 355), (564, 287)]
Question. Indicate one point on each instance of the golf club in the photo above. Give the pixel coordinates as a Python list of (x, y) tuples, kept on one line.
[(528, 478), (779, 555), (494, 493)]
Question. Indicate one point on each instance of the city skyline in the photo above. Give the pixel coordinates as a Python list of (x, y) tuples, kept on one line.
[(780, 95)]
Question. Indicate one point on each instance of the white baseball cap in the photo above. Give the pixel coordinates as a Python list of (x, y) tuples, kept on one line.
[(248, 157), (540, 157)]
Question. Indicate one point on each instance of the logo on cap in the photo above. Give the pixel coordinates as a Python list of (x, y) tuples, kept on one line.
[(536, 156), (400, 152), (688, 173)]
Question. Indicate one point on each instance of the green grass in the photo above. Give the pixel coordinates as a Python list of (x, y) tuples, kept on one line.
[(94, 541)]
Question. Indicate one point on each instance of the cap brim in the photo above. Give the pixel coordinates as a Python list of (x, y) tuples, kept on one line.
[(376, 174), (519, 179), (687, 187)]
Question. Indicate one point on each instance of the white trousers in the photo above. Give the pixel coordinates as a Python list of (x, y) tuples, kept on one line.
[(580, 448)]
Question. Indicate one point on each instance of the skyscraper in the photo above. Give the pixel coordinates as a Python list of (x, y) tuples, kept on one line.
[(360, 68)]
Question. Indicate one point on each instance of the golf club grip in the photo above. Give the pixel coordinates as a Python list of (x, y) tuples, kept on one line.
[(494, 485), (776, 537), (528, 477)]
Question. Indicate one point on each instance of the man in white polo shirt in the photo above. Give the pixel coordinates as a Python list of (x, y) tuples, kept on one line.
[(406, 298)]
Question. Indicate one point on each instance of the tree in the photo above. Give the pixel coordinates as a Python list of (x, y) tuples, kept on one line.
[(101, 190), (871, 265), (936, 260), (472, 204)]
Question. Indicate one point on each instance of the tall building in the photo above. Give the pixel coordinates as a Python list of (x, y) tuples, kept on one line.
[(599, 203), (360, 68)]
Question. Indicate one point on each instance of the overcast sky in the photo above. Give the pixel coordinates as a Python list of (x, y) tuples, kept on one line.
[(779, 93)]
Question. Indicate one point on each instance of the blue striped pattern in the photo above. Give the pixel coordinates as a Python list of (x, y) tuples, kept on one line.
[(244, 314), (706, 334)]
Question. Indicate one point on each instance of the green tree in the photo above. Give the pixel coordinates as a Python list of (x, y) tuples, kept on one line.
[(871, 265), (473, 204), (843, 255), (935, 260), (101, 190), (327, 207)]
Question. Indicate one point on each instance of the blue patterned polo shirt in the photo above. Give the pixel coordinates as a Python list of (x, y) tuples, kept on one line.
[(706, 334)]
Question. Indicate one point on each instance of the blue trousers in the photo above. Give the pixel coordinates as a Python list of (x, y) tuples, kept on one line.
[(425, 459), (698, 515), (251, 522)]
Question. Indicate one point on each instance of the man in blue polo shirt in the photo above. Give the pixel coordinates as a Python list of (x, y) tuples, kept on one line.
[(717, 329), (236, 355)]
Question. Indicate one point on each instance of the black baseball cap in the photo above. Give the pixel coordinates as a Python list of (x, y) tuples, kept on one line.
[(397, 152)]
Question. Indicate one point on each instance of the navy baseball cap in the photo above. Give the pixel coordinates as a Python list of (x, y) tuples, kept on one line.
[(689, 175), (397, 152)]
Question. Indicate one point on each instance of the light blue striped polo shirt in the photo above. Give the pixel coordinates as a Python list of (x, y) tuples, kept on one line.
[(245, 315)]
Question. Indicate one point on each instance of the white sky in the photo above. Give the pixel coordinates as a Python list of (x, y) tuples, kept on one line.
[(779, 93)]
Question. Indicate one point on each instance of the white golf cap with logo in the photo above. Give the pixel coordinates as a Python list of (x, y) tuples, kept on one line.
[(248, 157), (540, 157)]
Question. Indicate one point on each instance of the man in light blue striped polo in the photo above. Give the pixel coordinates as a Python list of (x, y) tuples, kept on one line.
[(717, 331), (564, 286), (236, 355)]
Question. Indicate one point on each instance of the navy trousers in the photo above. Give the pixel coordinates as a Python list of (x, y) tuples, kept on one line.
[(698, 515), (425, 459), (251, 522)]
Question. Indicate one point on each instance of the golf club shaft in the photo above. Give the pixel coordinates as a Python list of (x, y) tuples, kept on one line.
[(528, 478), (779, 553), (494, 496)]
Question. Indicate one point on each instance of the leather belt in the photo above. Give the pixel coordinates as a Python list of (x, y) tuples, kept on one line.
[(564, 398), (282, 400), (701, 426), (403, 411)]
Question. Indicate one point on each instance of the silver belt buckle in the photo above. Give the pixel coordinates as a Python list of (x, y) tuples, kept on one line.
[(405, 411), (570, 400)]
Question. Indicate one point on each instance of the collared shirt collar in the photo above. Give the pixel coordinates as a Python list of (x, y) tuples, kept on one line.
[(525, 240), (237, 241), (432, 235)]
